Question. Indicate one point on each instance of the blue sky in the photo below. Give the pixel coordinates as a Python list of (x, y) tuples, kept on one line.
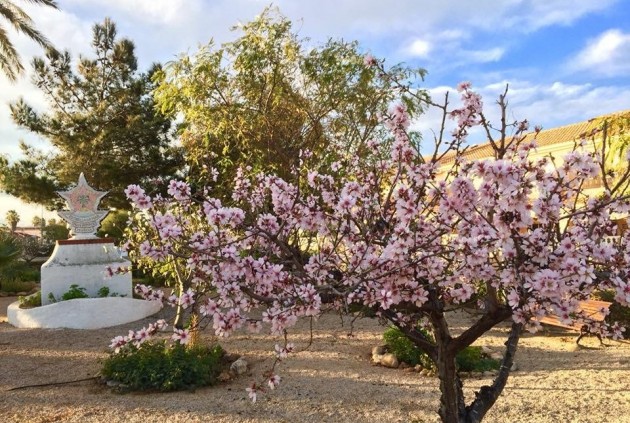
[(565, 60)]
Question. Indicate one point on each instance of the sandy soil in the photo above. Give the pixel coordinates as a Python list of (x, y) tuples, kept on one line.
[(333, 381)]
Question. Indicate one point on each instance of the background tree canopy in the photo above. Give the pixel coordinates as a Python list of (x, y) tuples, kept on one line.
[(261, 99), (101, 121)]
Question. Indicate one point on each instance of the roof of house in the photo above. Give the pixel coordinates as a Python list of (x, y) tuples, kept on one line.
[(572, 132)]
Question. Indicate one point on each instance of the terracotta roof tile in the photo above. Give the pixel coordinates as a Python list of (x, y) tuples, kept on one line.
[(572, 132)]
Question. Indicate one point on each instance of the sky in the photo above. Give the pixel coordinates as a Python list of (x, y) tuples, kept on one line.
[(564, 60)]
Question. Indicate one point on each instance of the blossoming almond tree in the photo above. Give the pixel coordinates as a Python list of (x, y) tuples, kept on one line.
[(405, 235)]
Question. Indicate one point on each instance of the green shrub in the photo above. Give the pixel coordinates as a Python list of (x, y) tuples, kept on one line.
[(163, 367), (103, 292), (618, 313), (30, 301), (405, 350), (471, 359), (15, 285), (75, 291)]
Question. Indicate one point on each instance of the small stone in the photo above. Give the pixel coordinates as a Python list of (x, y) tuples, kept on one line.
[(496, 356), (239, 366), (424, 372), (409, 369), (404, 365), (389, 360), (514, 367), (418, 368), (487, 350), (380, 350), (225, 376), (486, 374), (22, 294), (113, 383), (376, 358), (3, 294)]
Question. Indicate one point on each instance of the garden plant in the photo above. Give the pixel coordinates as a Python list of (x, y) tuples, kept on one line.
[(413, 231)]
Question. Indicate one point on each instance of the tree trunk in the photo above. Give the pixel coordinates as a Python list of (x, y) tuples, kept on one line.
[(452, 404)]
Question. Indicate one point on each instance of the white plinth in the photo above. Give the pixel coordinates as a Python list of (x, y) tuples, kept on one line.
[(83, 262), (83, 313)]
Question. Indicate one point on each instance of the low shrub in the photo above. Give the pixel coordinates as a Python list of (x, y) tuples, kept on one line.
[(471, 359), (164, 367), (618, 313), (30, 301), (15, 285), (405, 350), (103, 292), (75, 291)]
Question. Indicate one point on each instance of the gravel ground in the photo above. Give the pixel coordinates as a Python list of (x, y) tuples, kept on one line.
[(332, 381)]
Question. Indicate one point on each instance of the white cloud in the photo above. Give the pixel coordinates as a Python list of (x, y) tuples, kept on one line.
[(483, 56), (548, 105), (606, 55), (418, 48)]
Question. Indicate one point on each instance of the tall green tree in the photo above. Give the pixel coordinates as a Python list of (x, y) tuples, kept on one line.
[(12, 218), (10, 62), (261, 99), (101, 121)]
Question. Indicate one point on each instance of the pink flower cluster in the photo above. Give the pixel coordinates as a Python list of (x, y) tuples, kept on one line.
[(398, 234)]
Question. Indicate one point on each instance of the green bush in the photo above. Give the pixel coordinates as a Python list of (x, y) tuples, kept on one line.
[(30, 301), (75, 291), (471, 359), (618, 313), (163, 367), (15, 285), (103, 292), (405, 350)]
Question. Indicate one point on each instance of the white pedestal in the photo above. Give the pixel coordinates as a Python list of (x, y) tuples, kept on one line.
[(83, 313), (83, 262)]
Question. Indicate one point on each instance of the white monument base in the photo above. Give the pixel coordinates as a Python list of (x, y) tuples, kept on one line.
[(83, 262), (82, 313)]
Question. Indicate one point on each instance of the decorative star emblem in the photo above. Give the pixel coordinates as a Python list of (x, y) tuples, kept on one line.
[(82, 198), (84, 217)]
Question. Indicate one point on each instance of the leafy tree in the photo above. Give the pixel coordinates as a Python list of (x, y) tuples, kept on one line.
[(31, 248), (612, 138), (262, 99), (38, 222), (10, 62), (12, 218), (54, 232), (9, 249), (114, 224), (410, 237), (102, 122)]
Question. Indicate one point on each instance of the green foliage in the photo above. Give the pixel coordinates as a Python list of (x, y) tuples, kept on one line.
[(404, 349), (31, 248), (113, 226), (163, 367), (9, 248), (10, 62), (470, 359), (473, 359), (12, 218), (259, 100), (103, 292), (54, 232), (101, 121), (12, 285), (30, 301), (618, 313), (75, 291)]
